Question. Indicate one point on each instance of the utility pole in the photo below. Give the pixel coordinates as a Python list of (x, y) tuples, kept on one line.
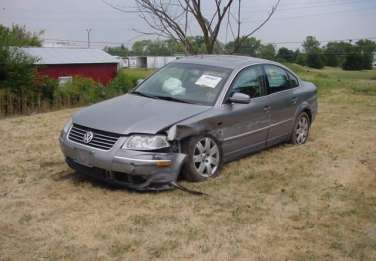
[(88, 37), (237, 41), (239, 13)]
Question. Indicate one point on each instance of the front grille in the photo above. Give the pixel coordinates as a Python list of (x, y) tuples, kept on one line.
[(101, 139)]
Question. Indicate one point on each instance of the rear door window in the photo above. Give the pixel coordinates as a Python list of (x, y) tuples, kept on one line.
[(278, 79), (293, 80)]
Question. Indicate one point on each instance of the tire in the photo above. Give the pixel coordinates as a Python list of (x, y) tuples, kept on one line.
[(203, 161), (300, 132)]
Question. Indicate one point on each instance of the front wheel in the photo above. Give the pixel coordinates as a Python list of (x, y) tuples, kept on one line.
[(204, 158), (301, 129)]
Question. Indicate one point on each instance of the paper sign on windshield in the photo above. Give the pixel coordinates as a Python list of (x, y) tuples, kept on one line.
[(208, 81)]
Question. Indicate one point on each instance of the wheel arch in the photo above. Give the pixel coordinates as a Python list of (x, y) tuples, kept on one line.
[(309, 112), (304, 107)]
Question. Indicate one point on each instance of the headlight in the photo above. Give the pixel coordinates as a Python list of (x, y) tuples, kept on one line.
[(146, 142), (66, 128)]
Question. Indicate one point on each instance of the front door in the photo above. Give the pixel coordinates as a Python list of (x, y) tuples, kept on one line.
[(247, 124)]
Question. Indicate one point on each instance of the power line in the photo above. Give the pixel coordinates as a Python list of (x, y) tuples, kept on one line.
[(317, 14), (312, 5), (327, 41)]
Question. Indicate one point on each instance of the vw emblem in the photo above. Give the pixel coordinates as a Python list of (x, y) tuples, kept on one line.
[(88, 136)]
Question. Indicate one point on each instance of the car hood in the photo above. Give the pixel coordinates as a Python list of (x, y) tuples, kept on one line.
[(135, 114)]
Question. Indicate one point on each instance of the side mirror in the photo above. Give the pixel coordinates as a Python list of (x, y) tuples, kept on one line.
[(241, 98), (139, 81)]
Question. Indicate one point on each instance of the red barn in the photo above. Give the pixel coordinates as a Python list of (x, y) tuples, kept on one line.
[(64, 63)]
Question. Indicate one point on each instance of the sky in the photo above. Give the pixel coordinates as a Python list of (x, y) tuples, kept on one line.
[(292, 22)]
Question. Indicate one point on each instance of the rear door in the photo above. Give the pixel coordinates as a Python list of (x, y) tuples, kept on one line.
[(283, 102), (247, 124)]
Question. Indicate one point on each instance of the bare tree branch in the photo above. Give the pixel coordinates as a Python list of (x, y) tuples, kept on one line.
[(173, 18), (240, 40)]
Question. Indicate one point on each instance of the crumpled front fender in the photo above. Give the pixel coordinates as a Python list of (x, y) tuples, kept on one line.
[(183, 130)]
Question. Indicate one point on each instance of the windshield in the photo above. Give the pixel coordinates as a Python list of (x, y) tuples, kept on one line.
[(191, 83)]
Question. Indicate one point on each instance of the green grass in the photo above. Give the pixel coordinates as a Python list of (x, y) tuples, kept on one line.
[(137, 73), (344, 87)]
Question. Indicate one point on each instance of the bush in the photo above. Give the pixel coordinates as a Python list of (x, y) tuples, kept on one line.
[(80, 91), (301, 59), (353, 62), (16, 81), (315, 60), (45, 88), (121, 84), (44, 93)]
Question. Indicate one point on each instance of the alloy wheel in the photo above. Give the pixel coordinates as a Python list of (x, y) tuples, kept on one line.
[(206, 157), (302, 129)]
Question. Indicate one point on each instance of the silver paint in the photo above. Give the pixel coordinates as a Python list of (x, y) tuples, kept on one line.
[(239, 128)]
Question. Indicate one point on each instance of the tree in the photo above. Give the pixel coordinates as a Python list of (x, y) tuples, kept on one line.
[(359, 56), (17, 73), (314, 60), (253, 47), (18, 36), (353, 60), (267, 52), (300, 58), (156, 47), (16, 70), (140, 47), (311, 44), (250, 46), (286, 55), (313, 53), (121, 51), (198, 44), (334, 53), (366, 48), (173, 19)]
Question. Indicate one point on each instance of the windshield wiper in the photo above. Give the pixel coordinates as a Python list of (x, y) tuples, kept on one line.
[(169, 98), (144, 94)]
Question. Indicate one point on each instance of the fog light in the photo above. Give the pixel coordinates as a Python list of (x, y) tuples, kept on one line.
[(163, 163)]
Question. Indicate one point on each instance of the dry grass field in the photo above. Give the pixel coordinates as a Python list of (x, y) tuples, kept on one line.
[(310, 202)]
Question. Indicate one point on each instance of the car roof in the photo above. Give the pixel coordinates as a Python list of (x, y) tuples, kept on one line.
[(224, 61)]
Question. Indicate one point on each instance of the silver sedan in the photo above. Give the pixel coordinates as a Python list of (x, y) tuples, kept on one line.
[(188, 119)]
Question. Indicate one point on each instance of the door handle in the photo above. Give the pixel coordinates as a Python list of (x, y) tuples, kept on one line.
[(267, 108), (294, 100)]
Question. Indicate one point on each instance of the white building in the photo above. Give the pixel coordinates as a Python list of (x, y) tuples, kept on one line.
[(122, 63), (149, 62), (156, 62)]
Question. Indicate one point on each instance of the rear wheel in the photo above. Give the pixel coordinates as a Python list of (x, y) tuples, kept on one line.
[(301, 129), (204, 158)]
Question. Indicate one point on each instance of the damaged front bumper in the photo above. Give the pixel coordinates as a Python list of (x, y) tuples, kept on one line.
[(132, 169)]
